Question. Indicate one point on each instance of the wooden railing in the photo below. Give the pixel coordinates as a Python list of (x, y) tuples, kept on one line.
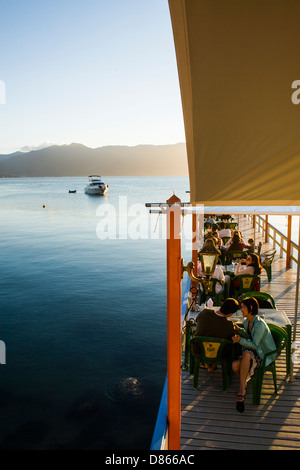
[(282, 243)]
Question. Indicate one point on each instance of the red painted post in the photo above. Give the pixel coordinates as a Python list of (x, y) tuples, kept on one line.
[(194, 243), (174, 322)]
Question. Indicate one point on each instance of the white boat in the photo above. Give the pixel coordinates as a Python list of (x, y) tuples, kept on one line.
[(96, 186)]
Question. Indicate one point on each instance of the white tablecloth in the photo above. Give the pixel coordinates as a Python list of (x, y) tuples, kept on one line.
[(276, 317)]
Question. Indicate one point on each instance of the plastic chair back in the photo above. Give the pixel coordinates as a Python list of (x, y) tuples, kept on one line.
[(211, 292), (266, 262), (225, 239), (211, 350), (232, 225), (265, 300), (259, 248), (244, 283), (280, 337), (235, 254)]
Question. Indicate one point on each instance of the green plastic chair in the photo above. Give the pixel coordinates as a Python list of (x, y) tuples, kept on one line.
[(258, 248), (260, 296), (267, 263), (225, 239), (212, 351), (211, 292), (244, 283), (280, 338), (232, 225), (235, 255)]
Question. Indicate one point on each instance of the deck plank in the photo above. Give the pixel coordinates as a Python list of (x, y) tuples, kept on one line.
[(209, 420)]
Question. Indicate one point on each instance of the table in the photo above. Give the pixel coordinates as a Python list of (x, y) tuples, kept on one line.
[(273, 316)]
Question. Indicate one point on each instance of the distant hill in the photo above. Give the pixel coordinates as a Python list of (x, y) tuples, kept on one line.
[(79, 160)]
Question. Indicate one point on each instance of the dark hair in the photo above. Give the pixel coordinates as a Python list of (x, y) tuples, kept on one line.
[(255, 262), (210, 235), (235, 241), (229, 306), (251, 304)]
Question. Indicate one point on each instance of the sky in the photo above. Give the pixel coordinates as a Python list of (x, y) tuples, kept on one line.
[(95, 72)]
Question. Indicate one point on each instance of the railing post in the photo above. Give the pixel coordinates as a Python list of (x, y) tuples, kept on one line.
[(288, 243), (267, 229), (174, 322)]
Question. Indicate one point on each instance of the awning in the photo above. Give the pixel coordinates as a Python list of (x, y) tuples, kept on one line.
[(238, 66)]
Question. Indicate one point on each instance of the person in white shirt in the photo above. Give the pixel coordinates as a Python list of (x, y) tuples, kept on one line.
[(219, 275), (252, 266), (223, 231)]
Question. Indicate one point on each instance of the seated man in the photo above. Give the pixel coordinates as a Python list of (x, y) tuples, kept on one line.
[(216, 323)]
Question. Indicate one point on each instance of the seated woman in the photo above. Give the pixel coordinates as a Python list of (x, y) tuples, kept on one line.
[(256, 340), (236, 243), (252, 266)]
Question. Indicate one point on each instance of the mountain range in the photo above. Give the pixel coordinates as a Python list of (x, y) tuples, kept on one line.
[(79, 160)]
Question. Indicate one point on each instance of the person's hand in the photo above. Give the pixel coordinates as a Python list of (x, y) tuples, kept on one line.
[(236, 327), (236, 338)]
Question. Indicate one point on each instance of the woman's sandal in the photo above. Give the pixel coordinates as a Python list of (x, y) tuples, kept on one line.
[(240, 403)]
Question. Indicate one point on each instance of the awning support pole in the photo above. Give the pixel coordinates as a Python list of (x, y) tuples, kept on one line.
[(174, 323), (194, 243)]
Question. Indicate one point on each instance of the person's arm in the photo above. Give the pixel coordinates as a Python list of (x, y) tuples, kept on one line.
[(243, 269), (243, 333), (239, 269), (257, 334), (220, 275), (246, 247)]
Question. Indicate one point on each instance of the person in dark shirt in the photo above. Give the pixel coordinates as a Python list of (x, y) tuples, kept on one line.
[(216, 323)]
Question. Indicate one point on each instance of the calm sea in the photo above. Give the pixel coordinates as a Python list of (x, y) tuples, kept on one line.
[(83, 311)]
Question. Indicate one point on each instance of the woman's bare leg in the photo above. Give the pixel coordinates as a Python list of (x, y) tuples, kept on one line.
[(244, 370)]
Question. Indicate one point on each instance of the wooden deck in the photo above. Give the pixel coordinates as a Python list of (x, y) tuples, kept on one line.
[(209, 419)]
